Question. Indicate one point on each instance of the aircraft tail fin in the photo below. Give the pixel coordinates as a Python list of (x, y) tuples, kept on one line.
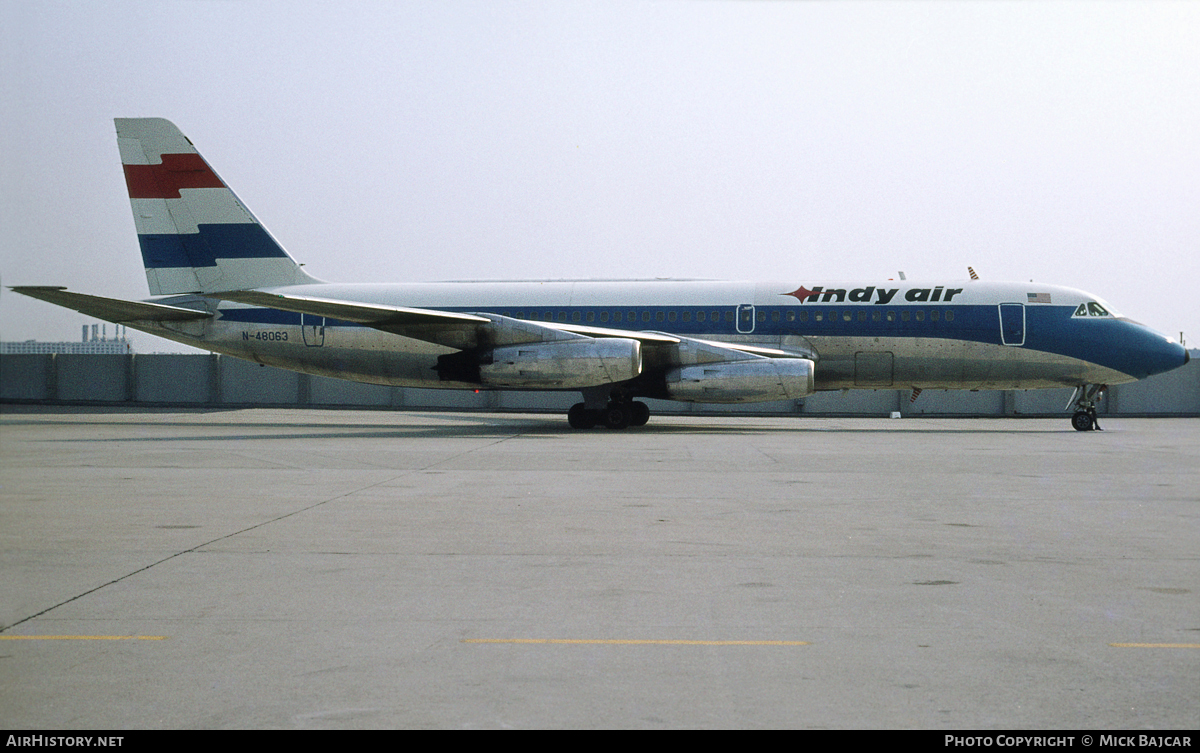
[(196, 235)]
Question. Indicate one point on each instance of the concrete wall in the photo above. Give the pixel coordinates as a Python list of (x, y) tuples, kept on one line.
[(212, 380), (175, 379)]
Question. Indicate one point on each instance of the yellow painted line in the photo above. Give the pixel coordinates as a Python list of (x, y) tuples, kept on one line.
[(635, 642), (83, 637), (1155, 645)]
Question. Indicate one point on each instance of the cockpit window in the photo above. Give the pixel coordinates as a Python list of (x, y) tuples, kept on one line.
[(1091, 308)]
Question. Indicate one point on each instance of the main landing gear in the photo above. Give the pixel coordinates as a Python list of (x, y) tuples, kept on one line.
[(1084, 400), (615, 415)]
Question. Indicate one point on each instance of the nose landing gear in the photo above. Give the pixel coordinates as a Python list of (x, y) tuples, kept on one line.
[(1084, 401)]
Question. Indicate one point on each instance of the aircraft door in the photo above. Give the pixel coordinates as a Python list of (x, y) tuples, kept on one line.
[(745, 318), (313, 330), (1012, 323)]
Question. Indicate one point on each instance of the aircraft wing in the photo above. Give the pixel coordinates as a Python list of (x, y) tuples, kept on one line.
[(434, 325), (371, 314), (448, 328), (666, 339), (460, 330), (110, 309), (645, 337), (757, 350)]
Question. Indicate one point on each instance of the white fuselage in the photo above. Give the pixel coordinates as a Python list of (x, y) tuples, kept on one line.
[(885, 335)]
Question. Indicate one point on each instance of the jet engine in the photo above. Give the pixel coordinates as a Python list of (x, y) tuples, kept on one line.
[(564, 364), (756, 380)]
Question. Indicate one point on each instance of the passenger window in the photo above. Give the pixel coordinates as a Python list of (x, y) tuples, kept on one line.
[(949, 315), (728, 317), (904, 316), (920, 316), (646, 316), (933, 315), (762, 317), (591, 316), (891, 316), (659, 316), (687, 316), (791, 315), (574, 316), (804, 316), (847, 316), (699, 316), (603, 317)]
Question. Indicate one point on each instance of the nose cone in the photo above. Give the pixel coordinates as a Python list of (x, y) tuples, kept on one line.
[(1160, 353)]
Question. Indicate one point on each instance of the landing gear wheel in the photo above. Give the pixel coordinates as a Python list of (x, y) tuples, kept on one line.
[(615, 416), (1084, 400), (1081, 421), (639, 414), (579, 417)]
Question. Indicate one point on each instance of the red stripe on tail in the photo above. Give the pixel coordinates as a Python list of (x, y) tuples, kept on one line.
[(164, 181)]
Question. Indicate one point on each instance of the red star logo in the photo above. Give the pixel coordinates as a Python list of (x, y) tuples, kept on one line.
[(802, 293)]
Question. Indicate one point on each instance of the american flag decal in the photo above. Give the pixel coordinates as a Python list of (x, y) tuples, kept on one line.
[(1039, 297)]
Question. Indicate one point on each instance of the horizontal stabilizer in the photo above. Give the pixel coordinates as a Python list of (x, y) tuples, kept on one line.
[(111, 309)]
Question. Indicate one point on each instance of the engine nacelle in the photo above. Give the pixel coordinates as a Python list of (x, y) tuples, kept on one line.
[(563, 364), (757, 380)]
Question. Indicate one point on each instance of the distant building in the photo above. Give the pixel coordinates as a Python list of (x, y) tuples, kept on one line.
[(98, 342)]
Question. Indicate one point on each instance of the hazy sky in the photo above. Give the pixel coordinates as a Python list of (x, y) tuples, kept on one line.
[(801, 141)]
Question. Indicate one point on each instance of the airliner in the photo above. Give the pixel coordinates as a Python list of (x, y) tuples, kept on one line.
[(220, 281)]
